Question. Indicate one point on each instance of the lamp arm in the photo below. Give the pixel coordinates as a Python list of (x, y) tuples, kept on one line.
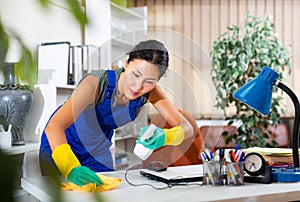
[(295, 142)]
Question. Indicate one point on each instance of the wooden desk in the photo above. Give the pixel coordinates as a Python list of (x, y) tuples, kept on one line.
[(39, 187)]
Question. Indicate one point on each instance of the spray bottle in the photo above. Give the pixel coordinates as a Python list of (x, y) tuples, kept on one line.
[(139, 149)]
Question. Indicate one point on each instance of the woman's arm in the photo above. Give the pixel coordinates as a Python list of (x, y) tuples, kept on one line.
[(84, 95), (172, 116)]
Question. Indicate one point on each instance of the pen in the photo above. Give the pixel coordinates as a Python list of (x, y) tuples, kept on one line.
[(241, 159), (223, 171), (238, 154), (237, 147), (207, 167), (206, 155), (211, 155), (210, 175), (230, 173), (222, 154), (232, 155), (203, 156), (217, 156), (213, 151)]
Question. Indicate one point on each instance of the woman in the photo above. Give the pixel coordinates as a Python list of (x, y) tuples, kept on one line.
[(78, 135)]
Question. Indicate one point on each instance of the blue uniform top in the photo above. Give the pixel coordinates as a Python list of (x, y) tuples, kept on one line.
[(90, 134)]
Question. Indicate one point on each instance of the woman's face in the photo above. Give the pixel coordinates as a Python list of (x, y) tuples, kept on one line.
[(139, 78)]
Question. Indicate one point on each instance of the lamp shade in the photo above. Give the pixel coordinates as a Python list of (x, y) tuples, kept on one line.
[(257, 93)]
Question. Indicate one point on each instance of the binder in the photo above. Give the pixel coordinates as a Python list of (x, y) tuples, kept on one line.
[(85, 58), (54, 63)]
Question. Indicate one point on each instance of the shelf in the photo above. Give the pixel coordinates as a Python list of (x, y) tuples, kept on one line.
[(125, 13), (72, 87), (121, 43), (128, 27), (28, 147)]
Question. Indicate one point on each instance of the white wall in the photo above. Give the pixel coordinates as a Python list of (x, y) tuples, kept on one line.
[(98, 30), (35, 24)]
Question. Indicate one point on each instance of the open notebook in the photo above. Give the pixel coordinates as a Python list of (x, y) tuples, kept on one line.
[(175, 175)]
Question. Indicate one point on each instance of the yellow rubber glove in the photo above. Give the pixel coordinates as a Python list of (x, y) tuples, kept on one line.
[(70, 167), (174, 136), (65, 159), (161, 137)]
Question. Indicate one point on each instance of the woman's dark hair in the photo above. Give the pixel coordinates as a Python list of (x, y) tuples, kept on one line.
[(152, 51)]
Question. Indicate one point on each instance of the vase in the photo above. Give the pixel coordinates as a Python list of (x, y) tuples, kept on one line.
[(16, 102)]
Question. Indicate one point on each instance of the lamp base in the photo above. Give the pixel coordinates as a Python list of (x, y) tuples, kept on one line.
[(265, 178), (285, 175)]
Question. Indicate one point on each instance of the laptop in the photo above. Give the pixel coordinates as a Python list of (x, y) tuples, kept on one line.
[(176, 175)]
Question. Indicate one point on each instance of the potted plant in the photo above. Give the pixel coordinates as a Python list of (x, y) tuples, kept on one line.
[(238, 56)]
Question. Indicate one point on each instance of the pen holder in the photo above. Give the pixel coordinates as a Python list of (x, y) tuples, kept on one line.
[(214, 173), (235, 173), (5, 140)]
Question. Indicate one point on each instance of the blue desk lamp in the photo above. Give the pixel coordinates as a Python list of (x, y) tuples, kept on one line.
[(257, 94)]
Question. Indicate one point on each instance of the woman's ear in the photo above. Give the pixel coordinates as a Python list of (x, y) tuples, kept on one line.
[(126, 61)]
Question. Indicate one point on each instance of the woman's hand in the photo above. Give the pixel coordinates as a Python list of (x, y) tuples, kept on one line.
[(70, 167), (161, 137)]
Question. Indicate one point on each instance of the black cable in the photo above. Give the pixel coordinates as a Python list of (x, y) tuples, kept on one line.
[(143, 184), (169, 185)]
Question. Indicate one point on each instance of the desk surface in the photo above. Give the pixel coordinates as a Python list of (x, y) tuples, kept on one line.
[(39, 187)]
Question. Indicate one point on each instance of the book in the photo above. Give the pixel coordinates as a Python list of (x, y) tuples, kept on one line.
[(275, 155)]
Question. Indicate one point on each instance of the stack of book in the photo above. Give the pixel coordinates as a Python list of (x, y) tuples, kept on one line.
[(275, 155)]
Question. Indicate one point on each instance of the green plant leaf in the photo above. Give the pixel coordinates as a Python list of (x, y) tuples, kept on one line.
[(27, 68), (4, 43), (238, 56)]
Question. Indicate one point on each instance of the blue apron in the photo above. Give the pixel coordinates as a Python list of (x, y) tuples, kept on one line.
[(90, 135)]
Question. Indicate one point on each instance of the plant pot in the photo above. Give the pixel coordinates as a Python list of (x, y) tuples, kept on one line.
[(16, 102)]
